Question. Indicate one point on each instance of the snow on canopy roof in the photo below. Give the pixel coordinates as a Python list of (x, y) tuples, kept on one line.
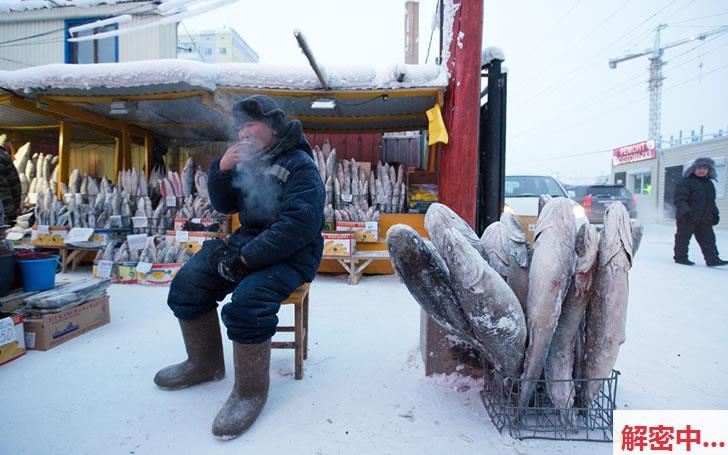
[(213, 76), (7, 6)]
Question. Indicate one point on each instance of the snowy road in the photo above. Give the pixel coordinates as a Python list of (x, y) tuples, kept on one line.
[(364, 391)]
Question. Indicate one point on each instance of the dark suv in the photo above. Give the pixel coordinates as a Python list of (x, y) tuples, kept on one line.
[(596, 198)]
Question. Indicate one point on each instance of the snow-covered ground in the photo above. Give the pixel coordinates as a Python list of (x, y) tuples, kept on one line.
[(364, 390)]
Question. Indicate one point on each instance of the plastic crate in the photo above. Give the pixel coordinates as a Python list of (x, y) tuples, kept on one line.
[(540, 419)]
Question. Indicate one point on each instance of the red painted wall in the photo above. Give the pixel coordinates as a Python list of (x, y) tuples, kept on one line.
[(360, 146)]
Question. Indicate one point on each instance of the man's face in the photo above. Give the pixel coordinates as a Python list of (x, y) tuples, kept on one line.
[(701, 171), (258, 135)]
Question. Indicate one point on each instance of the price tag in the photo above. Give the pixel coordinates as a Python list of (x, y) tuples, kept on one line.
[(372, 226), (181, 236), (7, 331), (79, 235), (196, 220), (347, 197), (14, 235), (137, 241), (139, 221), (171, 201), (43, 229), (144, 267), (103, 269)]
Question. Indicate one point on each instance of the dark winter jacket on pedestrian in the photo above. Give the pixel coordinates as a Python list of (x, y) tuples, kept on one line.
[(280, 201), (695, 196), (10, 189)]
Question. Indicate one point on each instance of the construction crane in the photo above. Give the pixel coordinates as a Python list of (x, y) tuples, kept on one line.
[(655, 54)]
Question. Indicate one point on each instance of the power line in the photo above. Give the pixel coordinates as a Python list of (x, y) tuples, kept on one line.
[(553, 29), (573, 72), (594, 100), (15, 61), (698, 18), (639, 100)]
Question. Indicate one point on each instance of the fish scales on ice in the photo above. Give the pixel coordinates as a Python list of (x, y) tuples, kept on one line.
[(552, 267), (491, 307), (425, 274), (606, 316), (560, 361)]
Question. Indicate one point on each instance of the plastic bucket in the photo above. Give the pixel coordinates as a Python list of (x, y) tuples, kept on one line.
[(39, 274), (7, 270)]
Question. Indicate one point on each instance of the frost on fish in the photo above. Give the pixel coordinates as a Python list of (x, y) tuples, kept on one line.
[(552, 267), (426, 276), (440, 217), (606, 315), (559, 366), (491, 307)]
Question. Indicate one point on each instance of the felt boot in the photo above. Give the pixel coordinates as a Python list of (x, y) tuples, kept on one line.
[(250, 391), (204, 355)]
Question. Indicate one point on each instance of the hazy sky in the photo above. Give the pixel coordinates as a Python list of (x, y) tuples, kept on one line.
[(566, 108)]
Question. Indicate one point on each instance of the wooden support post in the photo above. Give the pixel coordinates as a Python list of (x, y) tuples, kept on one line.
[(147, 154), (457, 182), (64, 154), (118, 159), (125, 149)]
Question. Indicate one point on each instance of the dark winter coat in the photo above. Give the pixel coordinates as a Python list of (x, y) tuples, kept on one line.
[(695, 200), (10, 189), (280, 202)]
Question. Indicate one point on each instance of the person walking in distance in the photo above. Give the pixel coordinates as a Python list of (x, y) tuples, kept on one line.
[(696, 212)]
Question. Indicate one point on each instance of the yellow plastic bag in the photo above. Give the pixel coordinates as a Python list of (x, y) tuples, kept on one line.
[(436, 127)]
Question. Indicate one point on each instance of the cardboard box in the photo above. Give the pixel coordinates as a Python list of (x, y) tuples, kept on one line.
[(421, 191), (364, 231), (191, 240), (12, 338), (53, 329), (121, 272), (159, 275), (49, 235), (339, 244)]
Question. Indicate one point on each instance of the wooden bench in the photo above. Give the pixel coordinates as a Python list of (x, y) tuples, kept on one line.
[(357, 262), (299, 299)]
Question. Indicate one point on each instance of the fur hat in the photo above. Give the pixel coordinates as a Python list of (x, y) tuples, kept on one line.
[(702, 162), (261, 108)]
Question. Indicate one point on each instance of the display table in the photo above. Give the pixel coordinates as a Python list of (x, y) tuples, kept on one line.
[(70, 255), (356, 263)]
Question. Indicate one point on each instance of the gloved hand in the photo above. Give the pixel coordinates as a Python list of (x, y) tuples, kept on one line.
[(226, 260), (232, 267)]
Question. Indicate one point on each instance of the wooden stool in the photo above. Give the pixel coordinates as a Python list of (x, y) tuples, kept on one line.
[(299, 298)]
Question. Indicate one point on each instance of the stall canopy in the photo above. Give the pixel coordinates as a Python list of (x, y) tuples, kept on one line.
[(189, 102)]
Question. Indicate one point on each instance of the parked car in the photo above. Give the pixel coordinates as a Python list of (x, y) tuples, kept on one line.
[(596, 198), (522, 192)]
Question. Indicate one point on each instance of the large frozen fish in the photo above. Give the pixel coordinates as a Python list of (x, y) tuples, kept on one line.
[(74, 181), (426, 276), (552, 267), (560, 361), (21, 158), (439, 218), (491, 307), (606, 315), (188, 177), (507, 251)]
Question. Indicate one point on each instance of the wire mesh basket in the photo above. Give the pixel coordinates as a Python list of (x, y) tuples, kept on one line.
[(541, 419)]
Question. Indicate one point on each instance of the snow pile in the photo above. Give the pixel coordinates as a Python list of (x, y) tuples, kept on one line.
[(492, 53), (213, 76), (7, 6)]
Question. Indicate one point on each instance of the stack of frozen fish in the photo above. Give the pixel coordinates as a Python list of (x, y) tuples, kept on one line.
[(156, 251), (353, 193), (557, 308), (37, 172)]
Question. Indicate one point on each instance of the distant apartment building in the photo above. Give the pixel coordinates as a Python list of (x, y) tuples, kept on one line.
[(215, 46)]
